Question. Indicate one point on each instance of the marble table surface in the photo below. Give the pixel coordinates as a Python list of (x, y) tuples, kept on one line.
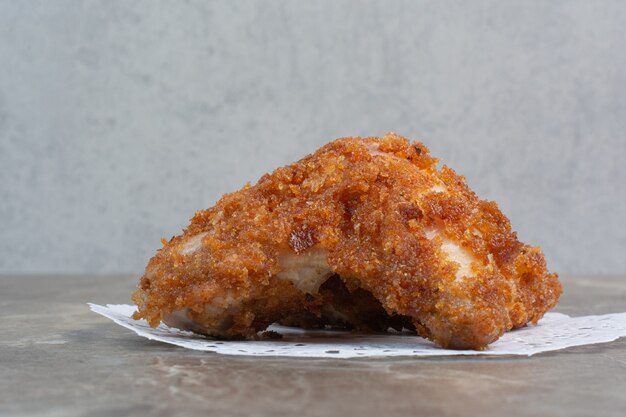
[(59, 359)]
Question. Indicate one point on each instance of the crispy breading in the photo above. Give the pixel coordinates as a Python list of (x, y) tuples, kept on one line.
[(375, 212)]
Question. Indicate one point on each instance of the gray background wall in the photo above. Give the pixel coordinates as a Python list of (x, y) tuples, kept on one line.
[(119, 119)]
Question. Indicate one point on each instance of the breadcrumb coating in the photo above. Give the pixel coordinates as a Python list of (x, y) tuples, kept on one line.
[(365, 233)]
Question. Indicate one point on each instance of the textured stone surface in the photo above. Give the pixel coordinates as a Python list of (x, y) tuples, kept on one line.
[(59, 359), (119, 119)]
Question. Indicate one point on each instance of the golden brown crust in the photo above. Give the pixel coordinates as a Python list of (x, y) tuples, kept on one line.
[(385, 216)]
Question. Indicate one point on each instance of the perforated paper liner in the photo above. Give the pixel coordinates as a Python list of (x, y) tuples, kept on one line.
[(555, 331)]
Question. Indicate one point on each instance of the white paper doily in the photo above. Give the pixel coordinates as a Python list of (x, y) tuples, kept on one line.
[(555, 331)]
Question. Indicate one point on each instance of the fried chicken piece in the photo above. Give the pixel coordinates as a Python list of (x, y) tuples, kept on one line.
[(364, 233)]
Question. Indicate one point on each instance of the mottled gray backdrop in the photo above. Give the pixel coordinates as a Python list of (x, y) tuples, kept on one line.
[(119, 119)]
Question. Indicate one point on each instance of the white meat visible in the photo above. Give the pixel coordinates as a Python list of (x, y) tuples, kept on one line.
[(307, 270), (454, 253)]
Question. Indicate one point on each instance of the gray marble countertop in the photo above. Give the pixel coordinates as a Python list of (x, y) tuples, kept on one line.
[(59, 359)]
